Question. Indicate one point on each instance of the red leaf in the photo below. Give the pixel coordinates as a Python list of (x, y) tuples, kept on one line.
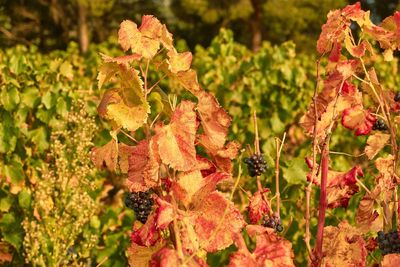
[(258, 207), (143, 167), (146, 234), (358, 119), (271, 250), (164, 213)]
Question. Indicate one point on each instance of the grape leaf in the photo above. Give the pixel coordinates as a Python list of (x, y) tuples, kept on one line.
[(126, 106), (215, 122), (341, 186), (358, 119), (391, 260), (141, 255), (167, 257), (176, 140), (123, 60), (387, 33), (271, 249), (124, 151), (343, 246), (165, 213), (367, 217), (258, 207), (130, 37), (179, 61), (145, 40), (106, 156), (216, 221), (338, 25), (375, 143), (328, 104), (143, 167), (147, 234)]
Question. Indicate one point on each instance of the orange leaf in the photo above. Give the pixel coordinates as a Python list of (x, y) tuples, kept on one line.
[(343, 246), (176, 140), (215, 122), (367, 217), (106, 156), (391, 260), (216, 221)]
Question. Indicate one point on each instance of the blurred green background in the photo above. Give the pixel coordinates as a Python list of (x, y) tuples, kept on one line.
[(252, 54)]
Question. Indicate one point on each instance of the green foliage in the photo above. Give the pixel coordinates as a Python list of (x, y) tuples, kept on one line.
[(38, 92), (274, 82)]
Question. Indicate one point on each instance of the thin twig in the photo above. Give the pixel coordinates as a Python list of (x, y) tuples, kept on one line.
[(129, 136)]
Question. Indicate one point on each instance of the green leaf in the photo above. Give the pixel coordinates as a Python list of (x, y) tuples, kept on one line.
[(24, 199), (10, 98), (17, 64), (39, 138), (11, 230), (14, 171), (5, 203), (48, 99), (295, 172), (30, 96), (61, 107), (66, 70)]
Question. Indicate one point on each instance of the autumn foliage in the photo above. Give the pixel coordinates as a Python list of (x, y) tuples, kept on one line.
[(181, 154)]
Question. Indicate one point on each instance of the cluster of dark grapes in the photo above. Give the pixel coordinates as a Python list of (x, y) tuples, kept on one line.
[(273, 222), (141, 203), (397, 97), (256, 165), (389, 242), (380, 125)]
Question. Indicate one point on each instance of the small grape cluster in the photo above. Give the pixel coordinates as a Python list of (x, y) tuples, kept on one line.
[(141, 203), (256, 165), (380, 125), (273, 222), (397, 97), (389, 242)]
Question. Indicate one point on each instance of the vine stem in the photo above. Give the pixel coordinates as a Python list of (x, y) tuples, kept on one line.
[(322, 203), (257, 147), (308, 189), (279, 146)]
